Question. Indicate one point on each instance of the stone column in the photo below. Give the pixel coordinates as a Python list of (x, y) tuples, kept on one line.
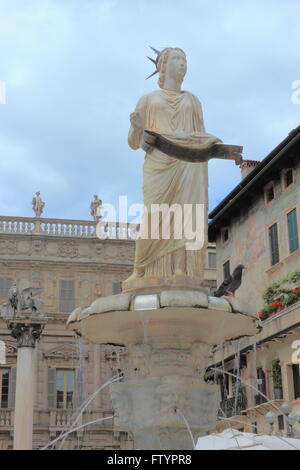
[(26, 333)]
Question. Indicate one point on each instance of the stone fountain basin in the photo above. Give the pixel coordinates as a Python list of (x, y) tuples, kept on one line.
[(157, 319)]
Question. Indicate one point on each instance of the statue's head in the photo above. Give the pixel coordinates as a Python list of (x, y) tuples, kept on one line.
[(172, 63), (169, 62)]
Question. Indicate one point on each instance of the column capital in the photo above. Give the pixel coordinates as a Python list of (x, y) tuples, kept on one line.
[(26, 333)]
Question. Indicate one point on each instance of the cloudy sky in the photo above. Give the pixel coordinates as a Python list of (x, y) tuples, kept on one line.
[(74, 70)]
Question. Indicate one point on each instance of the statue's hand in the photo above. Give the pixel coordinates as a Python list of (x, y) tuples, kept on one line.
[(136, 120)]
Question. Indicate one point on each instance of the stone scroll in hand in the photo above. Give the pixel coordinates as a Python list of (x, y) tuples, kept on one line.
[(216, 150)]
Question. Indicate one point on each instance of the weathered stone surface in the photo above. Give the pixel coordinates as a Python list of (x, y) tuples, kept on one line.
[(153, 409), (218, 303), (239, 307), (145, 302), (182, 298), (110, 303)]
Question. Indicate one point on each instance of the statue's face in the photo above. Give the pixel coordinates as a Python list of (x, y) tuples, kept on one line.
[(176, 65)]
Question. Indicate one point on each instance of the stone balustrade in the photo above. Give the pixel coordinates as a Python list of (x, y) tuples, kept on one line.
[(67, 228), (62, 418), (6, 418)]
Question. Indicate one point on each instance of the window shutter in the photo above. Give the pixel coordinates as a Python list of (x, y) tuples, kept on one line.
[(12, 387), (296, 379), (67, 303), (226, 269), (293, 230), (51, 388), (117, 287), (273, 236), (5, 285)]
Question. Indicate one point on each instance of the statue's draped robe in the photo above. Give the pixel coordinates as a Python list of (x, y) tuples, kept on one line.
[(178, 117)]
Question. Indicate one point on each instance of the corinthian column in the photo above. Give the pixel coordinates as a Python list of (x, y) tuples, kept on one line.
[(26, 332)]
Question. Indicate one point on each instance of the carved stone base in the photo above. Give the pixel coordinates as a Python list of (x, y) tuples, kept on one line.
[(168, 336), (154, 409)]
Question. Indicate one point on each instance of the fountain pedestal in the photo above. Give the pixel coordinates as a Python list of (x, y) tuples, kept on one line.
[(168, 336)]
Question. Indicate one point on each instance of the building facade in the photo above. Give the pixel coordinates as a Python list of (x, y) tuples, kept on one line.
[(257, 225)]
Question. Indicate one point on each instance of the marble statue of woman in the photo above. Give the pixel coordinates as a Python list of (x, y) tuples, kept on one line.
[(176, 115)]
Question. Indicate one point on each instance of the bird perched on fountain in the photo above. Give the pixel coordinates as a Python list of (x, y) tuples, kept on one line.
[(231, 283)]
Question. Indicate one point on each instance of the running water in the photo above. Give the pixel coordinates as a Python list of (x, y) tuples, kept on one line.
[(252, 387), (237, 368), (81, 409), (188, 426), (63, 436)]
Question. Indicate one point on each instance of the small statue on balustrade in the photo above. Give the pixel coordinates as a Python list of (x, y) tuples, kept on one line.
[(96, 207), (37, 204)]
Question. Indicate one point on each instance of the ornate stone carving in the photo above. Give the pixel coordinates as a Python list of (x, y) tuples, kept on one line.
[(37, 246), (153, 409), (26, 334), (115, 356), (8, 247), (11, 350), (99, 248), (63, 353), (68, 249), (23, 247), (24, 300), (139, 359)]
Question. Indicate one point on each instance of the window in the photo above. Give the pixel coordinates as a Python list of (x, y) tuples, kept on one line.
[(224, 234), (226, 269), (269, 192), (296, 379), (287, 178), (261, 386), (280, 423), (5, 285), (7, 387), (61, 388), (293, 231), (274, 247), (67, 303), (116, 287), (4, 387), (212, 262)]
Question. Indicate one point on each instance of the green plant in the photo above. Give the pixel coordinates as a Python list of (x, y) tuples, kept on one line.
[(293, 277), (271, 291), (276, 374), (277, 288), (273, 295)]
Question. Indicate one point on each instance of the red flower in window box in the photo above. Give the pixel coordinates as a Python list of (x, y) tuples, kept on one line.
[(262, 315), (277, 304)]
